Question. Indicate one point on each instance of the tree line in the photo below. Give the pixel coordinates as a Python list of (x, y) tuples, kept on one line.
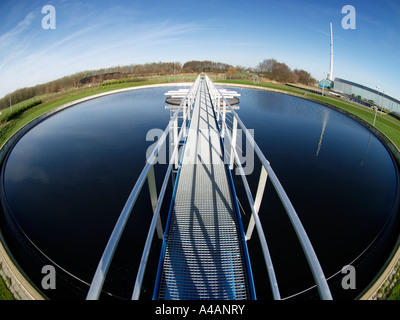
[(88, 77), (270, 69), (280, 72)]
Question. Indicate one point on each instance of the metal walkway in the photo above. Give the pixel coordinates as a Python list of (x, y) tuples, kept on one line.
[(204, 253)]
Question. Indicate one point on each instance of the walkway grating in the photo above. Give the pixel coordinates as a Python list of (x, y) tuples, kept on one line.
[(204, 255)]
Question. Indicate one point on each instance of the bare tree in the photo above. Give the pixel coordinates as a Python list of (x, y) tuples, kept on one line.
[(267, 66), (304, 77)]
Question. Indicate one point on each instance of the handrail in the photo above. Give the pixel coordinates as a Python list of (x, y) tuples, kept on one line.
[(148, 174), (105, 261), (146, 250), (308, 249)]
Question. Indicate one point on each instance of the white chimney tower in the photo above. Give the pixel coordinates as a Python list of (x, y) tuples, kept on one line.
[(330, 75)]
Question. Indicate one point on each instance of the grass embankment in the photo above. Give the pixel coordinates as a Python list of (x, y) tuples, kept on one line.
[(269, 85), (395, 293), (22, 114)]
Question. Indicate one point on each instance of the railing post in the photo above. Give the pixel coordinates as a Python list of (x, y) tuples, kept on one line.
[(176, 143), (257, 202), (215, 94), (218, 106), (185, 113), (233, 143), (191, 103), (223, 119), (151, 180)]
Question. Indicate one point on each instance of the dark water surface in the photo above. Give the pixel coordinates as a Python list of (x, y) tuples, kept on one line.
[(68, 178)]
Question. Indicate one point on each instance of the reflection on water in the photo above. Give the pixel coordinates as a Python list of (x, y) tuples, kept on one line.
[(68, 178), (366, 150), (325, 120)]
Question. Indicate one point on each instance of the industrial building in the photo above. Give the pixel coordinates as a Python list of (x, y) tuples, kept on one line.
[(357, 92), (364, 94)]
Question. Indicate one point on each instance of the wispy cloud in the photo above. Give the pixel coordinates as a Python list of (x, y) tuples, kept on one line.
[(15, 43), (31, 55), (13, 37)]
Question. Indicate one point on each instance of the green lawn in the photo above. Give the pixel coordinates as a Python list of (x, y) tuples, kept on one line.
[(272, 85), (395, 294)]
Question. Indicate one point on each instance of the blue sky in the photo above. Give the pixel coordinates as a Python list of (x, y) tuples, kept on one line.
[(99, 34)]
